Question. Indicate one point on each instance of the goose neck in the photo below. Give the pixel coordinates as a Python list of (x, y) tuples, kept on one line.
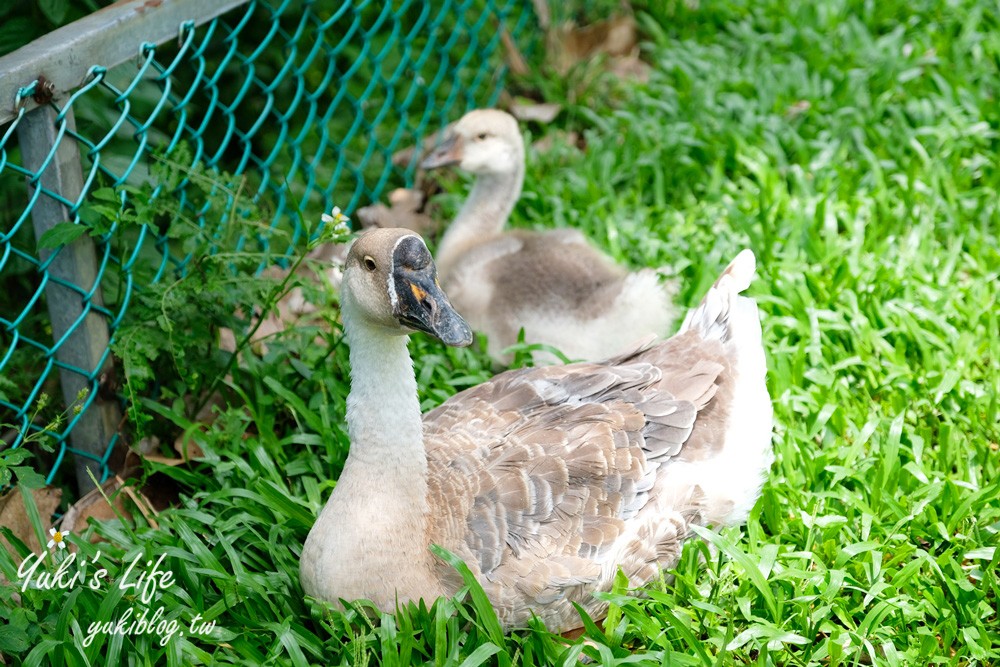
[(481, 218), (491, 201), (383, 411)]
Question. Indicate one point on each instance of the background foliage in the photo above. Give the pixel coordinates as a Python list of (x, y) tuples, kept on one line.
[(22, 21)]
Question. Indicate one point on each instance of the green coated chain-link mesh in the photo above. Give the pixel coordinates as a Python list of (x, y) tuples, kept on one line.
[(309, 100)]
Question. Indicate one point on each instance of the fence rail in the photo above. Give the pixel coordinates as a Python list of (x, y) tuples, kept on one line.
[(311, 101), (55, 65)]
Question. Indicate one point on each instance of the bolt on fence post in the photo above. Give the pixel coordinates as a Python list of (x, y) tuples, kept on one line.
[(75, 264)]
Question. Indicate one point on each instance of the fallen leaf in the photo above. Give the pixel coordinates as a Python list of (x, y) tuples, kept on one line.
[(539, 112), (569, 44), (188, 449), (94, 505), (107, 503), (630, 67), (620, 36), (541, 8), (14, 516), (516, 61), (406, 210), (164, 460)]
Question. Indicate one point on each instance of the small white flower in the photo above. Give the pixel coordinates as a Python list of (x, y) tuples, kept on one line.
[(337, 218), (58, 538)]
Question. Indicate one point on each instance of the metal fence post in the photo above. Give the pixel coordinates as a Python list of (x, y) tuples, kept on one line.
[(75, 264)]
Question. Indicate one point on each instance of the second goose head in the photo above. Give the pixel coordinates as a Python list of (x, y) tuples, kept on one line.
[(484, 141), (390, 284)]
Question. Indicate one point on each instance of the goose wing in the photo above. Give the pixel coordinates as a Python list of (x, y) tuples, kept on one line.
[(538, 476)]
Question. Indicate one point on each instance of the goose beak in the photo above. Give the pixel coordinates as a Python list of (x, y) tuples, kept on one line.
[(447, 153), (421, 304)]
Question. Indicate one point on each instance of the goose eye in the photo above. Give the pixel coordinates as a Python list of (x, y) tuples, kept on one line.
[(482, 136), (369, 263)]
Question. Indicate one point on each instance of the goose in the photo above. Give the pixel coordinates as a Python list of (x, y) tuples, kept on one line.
[(554, 284), (545, 480)]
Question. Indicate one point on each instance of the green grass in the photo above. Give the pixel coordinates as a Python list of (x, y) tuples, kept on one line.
[(873, 210)]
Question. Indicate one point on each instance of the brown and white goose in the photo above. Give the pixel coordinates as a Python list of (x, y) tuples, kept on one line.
[(554, 284), (543, 480)]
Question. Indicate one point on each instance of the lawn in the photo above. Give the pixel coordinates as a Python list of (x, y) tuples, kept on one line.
[(854, 147)]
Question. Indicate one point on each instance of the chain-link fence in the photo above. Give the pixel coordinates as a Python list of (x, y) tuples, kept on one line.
[(308, 100)]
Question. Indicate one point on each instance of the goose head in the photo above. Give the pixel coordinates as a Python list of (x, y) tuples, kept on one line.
[(484, 141), (390, 284)]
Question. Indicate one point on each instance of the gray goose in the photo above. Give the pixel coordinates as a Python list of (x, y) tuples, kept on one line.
[(543, 480), (554, 284)]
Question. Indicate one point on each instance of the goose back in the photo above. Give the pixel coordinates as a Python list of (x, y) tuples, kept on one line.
[(571, 480)]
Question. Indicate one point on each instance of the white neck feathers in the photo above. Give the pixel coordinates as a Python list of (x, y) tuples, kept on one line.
[(383, 411), (481, 218)]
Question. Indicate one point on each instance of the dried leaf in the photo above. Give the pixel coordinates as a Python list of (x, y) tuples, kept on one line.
[(542, 13), (14, 516), (569, 44), (621, 36), (539, 112), (143, 505), (327, 266), (107, 503), (188, 449), (630, 67), (515, 59), (406, 210), (95, 505)]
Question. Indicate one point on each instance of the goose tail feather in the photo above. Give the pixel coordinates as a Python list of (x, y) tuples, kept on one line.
[(712, 317), (731, 481)]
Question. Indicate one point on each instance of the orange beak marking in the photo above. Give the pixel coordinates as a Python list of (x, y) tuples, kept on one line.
[(417, 292)]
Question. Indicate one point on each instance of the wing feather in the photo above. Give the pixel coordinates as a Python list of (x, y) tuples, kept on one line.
[(534, 474)]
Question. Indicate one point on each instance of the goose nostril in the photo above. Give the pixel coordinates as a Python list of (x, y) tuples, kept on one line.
[(427, 305)]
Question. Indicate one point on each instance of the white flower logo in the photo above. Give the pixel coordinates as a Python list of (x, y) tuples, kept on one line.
[(58, 538)]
